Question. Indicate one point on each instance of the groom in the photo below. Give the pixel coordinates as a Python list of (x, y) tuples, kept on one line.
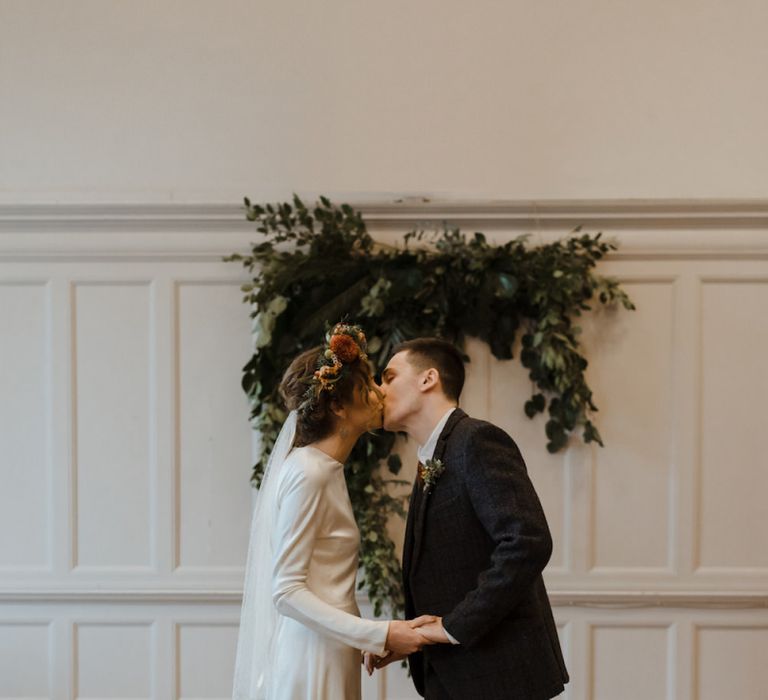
[(476, 542)]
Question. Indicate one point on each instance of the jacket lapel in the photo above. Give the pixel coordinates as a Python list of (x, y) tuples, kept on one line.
[(421, 509)]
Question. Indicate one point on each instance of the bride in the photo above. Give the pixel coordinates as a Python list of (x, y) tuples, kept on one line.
[(301, 634)]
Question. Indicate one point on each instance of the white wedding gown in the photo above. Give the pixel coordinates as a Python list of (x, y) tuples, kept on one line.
[(315, 541)]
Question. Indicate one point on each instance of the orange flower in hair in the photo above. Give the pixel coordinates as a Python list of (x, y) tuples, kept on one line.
[(344, 347)]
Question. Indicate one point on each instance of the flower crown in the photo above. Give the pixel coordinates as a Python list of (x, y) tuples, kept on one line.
[(345, 344)]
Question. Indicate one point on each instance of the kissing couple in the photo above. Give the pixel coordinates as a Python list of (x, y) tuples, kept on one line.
[(479, 625)]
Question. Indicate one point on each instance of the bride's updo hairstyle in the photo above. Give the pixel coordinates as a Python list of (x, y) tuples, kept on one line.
[(323, 378)]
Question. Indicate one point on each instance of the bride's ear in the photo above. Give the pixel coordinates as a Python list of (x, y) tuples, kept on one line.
[(338, 409)]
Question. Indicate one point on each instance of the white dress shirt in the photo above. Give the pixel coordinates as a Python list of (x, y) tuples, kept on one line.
[(425, 453)]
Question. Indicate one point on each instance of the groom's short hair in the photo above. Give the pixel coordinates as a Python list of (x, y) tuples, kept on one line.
[(425, 353)]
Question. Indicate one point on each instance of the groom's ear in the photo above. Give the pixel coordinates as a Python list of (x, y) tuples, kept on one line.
[(429, 379)]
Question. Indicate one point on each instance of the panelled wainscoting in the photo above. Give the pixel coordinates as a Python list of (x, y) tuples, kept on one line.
[(125, 450)]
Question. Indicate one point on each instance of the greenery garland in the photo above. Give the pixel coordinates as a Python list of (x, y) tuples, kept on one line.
[(317, 266)]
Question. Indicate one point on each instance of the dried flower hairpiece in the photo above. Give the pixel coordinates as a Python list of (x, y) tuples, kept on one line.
[(345, 344)]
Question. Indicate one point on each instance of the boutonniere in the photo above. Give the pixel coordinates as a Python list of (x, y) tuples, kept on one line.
[(430, 472)]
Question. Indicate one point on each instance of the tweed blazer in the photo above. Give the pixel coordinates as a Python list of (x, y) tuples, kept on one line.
[(475, 547)]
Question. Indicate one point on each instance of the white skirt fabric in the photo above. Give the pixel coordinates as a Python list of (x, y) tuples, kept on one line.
[(311, 666)]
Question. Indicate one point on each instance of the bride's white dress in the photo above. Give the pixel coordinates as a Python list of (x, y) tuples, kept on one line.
[(315, 543)]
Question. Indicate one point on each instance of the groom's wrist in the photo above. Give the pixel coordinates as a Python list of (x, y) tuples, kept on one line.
[(451, 638)]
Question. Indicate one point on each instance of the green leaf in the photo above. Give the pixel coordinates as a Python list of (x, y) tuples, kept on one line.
[(591, 434), (507, 286), (394, 463), (553, 429)]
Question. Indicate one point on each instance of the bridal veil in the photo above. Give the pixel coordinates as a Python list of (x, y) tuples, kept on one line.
[(258, 616)]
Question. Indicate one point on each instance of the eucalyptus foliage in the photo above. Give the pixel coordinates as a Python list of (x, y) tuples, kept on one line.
[(318, 265)]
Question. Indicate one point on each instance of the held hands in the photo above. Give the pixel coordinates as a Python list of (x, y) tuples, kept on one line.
[(434, 631), (404, 636), (407, 637)]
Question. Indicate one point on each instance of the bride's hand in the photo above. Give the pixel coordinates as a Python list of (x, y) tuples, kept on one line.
[(403, 636), (372, 661), (380, 662)]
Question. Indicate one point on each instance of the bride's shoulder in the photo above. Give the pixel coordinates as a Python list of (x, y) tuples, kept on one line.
[(309, 465)]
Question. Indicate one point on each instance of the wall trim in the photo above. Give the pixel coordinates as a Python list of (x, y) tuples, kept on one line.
[(583, 598), (208, 215), (732, 228)]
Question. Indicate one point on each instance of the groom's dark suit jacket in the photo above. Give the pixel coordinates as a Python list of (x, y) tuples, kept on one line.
[(475, 547)]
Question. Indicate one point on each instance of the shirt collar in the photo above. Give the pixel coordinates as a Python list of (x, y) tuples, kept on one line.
[(426, 451)]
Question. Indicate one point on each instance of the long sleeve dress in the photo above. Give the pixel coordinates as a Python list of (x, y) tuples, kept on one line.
[(319, 631)]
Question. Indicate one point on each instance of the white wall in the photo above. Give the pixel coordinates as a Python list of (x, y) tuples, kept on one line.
[(124, 446), (126, 453), (102, 100)]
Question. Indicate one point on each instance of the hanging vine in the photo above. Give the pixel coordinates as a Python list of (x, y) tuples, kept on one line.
[(316, 266)]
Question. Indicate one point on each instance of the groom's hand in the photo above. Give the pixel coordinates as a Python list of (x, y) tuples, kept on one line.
[(404, 636), (433, 630), (421, 620)]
